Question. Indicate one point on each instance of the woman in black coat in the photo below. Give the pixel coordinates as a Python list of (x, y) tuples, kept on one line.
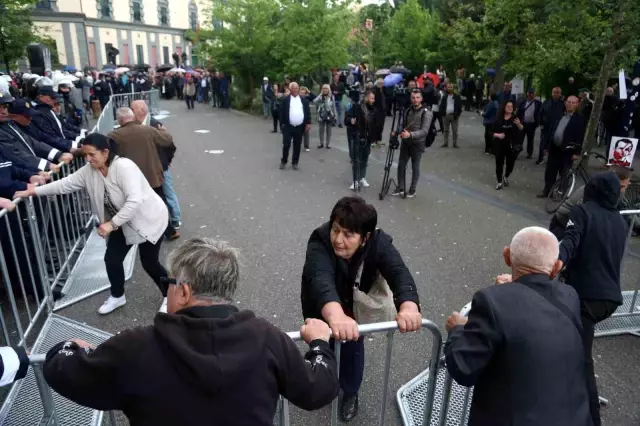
[(507, 136), (335, 252), (275, 97), (381, 110)]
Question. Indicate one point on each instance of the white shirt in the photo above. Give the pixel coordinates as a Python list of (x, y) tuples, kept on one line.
[(203, 83), (296, 113), (451, 106)]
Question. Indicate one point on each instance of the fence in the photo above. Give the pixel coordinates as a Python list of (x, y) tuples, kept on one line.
[(107, 120)]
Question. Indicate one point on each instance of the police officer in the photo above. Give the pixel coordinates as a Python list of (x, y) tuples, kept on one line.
[(22, 149), (47, 120), (142, 83), (71, 102), (21, 112), (102, 90)]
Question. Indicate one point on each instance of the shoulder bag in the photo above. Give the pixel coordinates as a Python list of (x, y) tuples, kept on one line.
[(376, 305)]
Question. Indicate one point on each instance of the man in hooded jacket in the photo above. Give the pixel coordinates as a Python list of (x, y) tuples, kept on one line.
[(592, 250), (204, 362)]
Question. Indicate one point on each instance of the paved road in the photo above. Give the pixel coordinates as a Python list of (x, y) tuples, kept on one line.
[(451, 236)]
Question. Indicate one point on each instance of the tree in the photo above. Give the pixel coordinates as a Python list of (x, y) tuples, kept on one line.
[(408, 36), (15, 30)]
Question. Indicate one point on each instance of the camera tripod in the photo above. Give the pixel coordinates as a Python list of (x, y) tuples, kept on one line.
[(394, 143)]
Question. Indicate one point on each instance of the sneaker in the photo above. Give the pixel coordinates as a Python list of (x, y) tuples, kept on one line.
[(176, 225), (411, 193), (320, 146), (111, 304), (506, 182), (398, 192), (328, 147), (353, 186), (499, 186), (445, 145), (163, 307), (282, 165), (539, 162), (294, 166), (307, 150), (364, 183)]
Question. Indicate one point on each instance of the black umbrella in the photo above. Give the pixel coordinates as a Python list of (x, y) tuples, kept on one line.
[(90, 68), (400, 70), (164, 68), (142, 67)]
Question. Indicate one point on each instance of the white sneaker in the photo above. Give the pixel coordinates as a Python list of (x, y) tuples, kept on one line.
[(364, 183), (307, 150), (353, 186), (163, 307), (111, 304)]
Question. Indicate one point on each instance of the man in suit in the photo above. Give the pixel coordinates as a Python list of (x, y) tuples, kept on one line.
[(267, 93), (529, 114), (565, 145), (521, 345), (140, 143), (450, 108), (295, 119), (552, 112)]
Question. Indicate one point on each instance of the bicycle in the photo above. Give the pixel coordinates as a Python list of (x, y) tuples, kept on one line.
[(566, 183)]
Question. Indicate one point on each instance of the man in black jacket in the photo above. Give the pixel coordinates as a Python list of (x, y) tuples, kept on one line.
[(46, 118), (529, 114), (592, 248), (521, 345), (552, 112), (295, 119), (205, 362), (345, 252), (565, 145), (450, 109)]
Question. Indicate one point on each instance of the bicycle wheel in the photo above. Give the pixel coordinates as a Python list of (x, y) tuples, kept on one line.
[(597, 159), (560, 191)]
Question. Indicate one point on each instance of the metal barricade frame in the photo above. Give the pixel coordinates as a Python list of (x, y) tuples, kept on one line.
[(282, 415)]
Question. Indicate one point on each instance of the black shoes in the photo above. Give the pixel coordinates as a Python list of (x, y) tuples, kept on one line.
[(506, 182), (529, 157), (294, 166), (348, 407), (282, 166), (411, 193), (541, 161), (542, 195)]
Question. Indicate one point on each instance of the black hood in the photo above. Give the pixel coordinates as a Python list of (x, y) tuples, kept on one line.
[(604, 190), (208, 345)]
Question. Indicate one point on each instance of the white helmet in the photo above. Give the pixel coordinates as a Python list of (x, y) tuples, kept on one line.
[(79, 74), (26, 76), (43, 81)]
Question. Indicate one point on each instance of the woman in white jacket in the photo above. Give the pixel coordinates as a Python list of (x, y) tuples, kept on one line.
[(130, 212)]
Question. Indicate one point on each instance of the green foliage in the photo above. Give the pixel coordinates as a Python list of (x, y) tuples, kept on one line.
[(15, 29)]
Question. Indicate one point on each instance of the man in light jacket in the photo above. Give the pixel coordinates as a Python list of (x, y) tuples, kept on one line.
[(204, 362)]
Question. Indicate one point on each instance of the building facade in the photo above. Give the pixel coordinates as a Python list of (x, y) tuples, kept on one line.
[(144, 31)]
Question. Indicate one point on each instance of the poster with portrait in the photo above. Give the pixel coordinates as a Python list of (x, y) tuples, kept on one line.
[(622, 151)]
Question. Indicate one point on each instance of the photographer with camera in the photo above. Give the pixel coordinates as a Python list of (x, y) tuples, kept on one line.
[(361, 121), (326, 114), (417, 121)]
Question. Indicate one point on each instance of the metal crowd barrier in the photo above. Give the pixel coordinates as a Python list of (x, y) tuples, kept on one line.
[(626, 319), (282, 415)]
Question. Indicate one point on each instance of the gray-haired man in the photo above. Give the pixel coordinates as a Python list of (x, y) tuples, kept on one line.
[(205, 362)]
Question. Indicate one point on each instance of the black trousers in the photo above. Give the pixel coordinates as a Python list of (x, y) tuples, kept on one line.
[(530, 133), (591, 313), (359, 151), (170, 229), (557, 164), (291, 134), (215, 99), (276, 117), (438, 116), (117, 249), (545, 140), (189, 100), (409, 150), (488, 138), (351, 365), (504, 154)]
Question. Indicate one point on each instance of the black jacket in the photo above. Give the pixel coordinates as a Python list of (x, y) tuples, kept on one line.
[(594, 241), (48, 122), (206, 365), (166, 154), (537, 113), (56, 141), (284, 111), (457, 105), (25, 151), (328, 278), (524, 356), (573, 135), (12, 178), (552, 112), (267, 92)]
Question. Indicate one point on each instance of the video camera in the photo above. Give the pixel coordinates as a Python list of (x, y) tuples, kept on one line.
[(353, 91)]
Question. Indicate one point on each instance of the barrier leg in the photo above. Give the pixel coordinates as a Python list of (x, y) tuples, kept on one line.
[(334, 404), (446, 396), (465, 407), (112, 418), (49, 417), (387, 369), (436, 348)]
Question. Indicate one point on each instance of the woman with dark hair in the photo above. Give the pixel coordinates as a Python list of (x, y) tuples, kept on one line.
[(361, 121), (129, 210), (346, 256), (507, 136)]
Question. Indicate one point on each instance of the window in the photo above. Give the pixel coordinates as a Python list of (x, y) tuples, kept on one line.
[(43, 4), (163, 12), (137, 10), (193, 16), (104, 8), (140, 54), (165, 54)]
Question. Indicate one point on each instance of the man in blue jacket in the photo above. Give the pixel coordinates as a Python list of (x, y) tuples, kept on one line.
[(529, 114), (47, 120), (22, 112)]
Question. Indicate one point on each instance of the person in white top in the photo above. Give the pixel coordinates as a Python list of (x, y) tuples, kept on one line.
[(129, 210), (295, 118)]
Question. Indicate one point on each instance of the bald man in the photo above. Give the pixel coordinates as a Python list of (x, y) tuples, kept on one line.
[(565, 145), (521, 345)]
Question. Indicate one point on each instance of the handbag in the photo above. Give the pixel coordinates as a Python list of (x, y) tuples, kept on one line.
[(376, 305)]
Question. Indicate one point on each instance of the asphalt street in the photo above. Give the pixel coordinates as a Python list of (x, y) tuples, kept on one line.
[(451, 237)]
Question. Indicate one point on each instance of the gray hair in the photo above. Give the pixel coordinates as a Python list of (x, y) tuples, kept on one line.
[(534, 248), (210, 267), (293, 84), (125, 115)]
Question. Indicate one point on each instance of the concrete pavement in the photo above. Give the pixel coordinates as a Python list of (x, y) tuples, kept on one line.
[(451, 237)]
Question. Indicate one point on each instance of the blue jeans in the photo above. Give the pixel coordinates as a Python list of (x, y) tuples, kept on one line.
[(339, 112), (172, 198), (266, 108)]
